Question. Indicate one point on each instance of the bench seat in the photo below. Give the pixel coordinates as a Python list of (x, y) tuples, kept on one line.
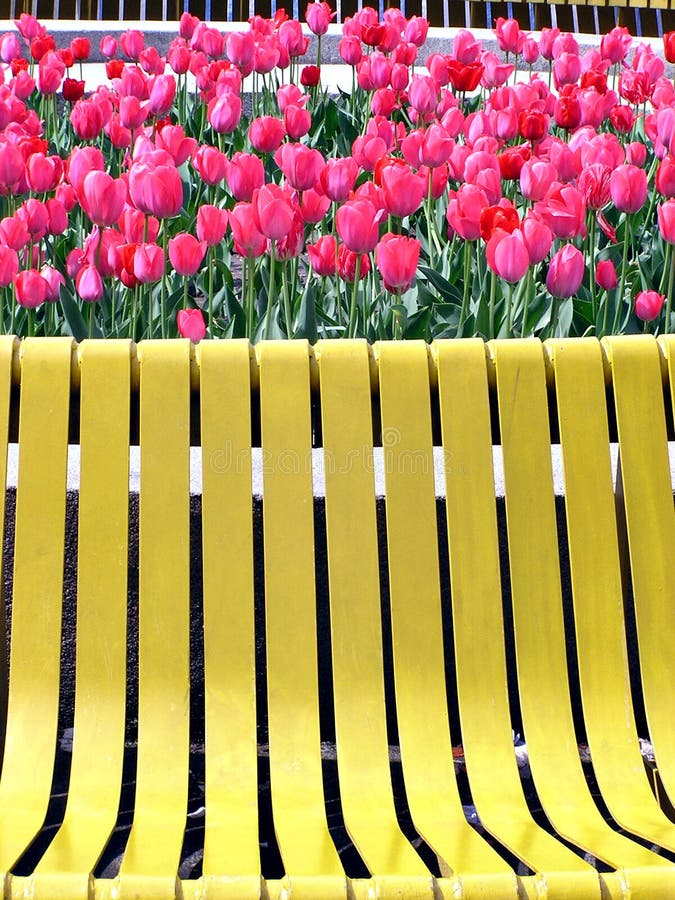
[(555, 618)]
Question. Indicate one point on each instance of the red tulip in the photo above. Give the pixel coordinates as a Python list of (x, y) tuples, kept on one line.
[(72, 90), (323, 255), (503, 216), (669, 46), (605, 275), (266, 134), (628, 188), (346, 264), (103, 197), (186, 253), (31, 288), (397, 257), (358, 224), (80, 47), (211, 224), (149, 263), (648, 305), (565, 272), (89, 284), (532, 124), (191, 324), (310, 76), (464, 76), (249, 241)]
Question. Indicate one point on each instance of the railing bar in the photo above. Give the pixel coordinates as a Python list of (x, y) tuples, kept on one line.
[(596, 20), (488, 14), (381, 9), (467, 14), (77, 9), (638, 23), (554, 16), (659, 22), (509, 9), (296, 9), (424, 9), (575, 18), (616, 16), (57, 10), (338, 7), (99, 9), (402, 5), (273, 8), (530, 9), (207, 11), (229, 10)]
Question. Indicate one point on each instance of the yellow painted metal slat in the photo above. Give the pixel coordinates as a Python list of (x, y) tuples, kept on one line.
[(417, 629), (100, 697), (231, 838), (151, 859), (292, 679), (8, 346), (650, 524), (597, 592), (537, 609), (477, 613), (356, 625), (37, 595)]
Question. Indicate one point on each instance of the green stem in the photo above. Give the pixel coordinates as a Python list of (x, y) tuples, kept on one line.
[(509, 308), (165, 243), (211, 268), (91, 321), (528, 282), (398, 320), (669, 295), (287, 303), (250, 305), (355, 292), (622, 282), (31, 323), (491, 307), (554, 318), (185, 296), (591, 266), (271, 294), (468, 253)]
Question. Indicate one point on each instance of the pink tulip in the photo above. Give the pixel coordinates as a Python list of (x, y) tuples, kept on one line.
[(318, 16), (14, 233), (266, 134), (605, 275), (666, 217), (628, 188), (323, 255), (273, 211), (300, 165), (464, 209), (509, 36), (537, 238), (149, 263), (132, 43), (43, 173), (9, 265), (210, 163), (338, 177), (507, 255), (191, 324), (240, 47), (162, 93), (155, 189), (172, 138), (103, 197), (648, 305), (402, 189), (397, 257), (297, 121), (54, 280), (186, 253), (31, 288), (536, 177), (563, 209), (249, 241), (224, 112), (211, 224), (565, 272), (423, 94), (12, 166), (245, 173), (89, 284), (358, 224), (314, 206)]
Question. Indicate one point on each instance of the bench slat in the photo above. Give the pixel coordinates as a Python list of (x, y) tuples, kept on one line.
[(290, 607), (356, 626), (153, 850), (33, 701), (100, 694), (231, 838), (537, 609), (650, 523), (597, 592), (477, 613)]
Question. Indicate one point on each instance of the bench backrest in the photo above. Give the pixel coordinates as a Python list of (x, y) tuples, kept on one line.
[(476, 642)]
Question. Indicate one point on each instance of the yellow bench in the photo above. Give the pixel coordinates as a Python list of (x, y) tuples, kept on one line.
[(341, 396)]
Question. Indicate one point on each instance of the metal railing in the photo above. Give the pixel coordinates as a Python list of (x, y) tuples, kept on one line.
[(651, 18)]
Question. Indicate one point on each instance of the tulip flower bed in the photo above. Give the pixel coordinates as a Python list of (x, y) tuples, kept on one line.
[(221, 191)]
